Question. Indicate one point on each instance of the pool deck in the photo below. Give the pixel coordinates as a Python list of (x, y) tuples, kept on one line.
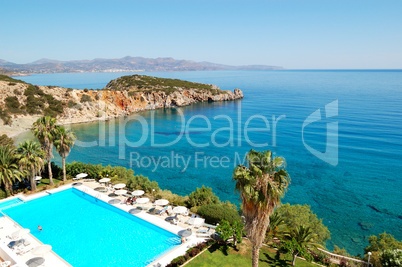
[(52, 259)]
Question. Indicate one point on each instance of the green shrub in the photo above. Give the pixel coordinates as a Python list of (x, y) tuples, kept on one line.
[(12, 104), (201, 246), (173, 198), (5, 117), (86, 90), (214, 213), (186, 256), (33, 90), (17, 92), (36, 100), (122, 173), (390, 258), (71, 104), (85, 98), (380, 243), (9, 79), (194, 252), (179, 260), (34, 105), (75, 168), (202, 196), (3, 194), (5, 140), (143, 183), (11, 83)]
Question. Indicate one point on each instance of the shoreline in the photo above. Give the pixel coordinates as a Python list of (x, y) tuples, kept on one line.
[(96, 119)]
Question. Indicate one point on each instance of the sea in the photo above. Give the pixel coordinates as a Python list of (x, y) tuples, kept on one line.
[(340, 132)]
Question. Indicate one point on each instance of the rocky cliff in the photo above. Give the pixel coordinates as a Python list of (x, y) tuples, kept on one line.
[(22, 103)]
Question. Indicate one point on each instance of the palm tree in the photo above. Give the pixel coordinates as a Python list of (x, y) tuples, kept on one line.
[(300, 241), (31, 159), (261, 185), (9, 171), (63, 143), (276, 227), (45, 129)]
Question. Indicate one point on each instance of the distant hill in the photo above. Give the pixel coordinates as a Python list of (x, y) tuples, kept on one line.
[(122, 64)]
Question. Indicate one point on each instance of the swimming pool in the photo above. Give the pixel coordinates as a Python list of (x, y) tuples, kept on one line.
[(10, 203), (88, 232)]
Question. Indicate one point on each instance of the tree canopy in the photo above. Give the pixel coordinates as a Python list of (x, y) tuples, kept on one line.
[(202, 196), (301, 215)]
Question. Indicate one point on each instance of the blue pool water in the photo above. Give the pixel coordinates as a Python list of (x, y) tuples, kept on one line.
[(87, 232), (359, 197), (10, 203)]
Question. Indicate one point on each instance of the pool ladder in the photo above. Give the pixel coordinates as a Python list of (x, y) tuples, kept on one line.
[(173, 241)]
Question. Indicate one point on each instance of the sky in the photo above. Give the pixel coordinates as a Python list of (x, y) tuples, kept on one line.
[(294, 34)]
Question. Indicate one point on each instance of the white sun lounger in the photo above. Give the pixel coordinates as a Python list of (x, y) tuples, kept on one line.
[(22, 250)]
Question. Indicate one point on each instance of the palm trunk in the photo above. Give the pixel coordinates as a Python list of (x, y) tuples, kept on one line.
[(33, 182), (8, 186), (256, 255), (294, 259), (49, 166), (64, 169)]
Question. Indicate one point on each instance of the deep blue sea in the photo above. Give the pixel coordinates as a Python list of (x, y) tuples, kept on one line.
[(356, 187)]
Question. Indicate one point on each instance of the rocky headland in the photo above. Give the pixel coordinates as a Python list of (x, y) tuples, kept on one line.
[(22, 103)]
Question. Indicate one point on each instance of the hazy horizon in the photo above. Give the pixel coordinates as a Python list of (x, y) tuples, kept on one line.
[(284, 67), (293, 34)]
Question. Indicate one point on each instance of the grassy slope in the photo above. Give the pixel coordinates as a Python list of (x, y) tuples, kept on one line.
[(230, 258)]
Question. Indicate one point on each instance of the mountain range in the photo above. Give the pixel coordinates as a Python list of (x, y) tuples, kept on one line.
[(122, 64)]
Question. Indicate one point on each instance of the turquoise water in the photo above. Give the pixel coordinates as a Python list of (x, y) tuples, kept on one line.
[(359, 197), (86, 232), (10, 203)]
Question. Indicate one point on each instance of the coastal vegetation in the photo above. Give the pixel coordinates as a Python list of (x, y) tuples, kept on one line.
[(296, 216), (10, 80), (385, 250), (23, 102), (38, 102), (142, 83)]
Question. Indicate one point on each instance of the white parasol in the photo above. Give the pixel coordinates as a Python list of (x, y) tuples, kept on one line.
[(120, 192), (142, 200), (138, 193), (119, 186), (104, 180), (81, 175), (161, 202), (180, 210)]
